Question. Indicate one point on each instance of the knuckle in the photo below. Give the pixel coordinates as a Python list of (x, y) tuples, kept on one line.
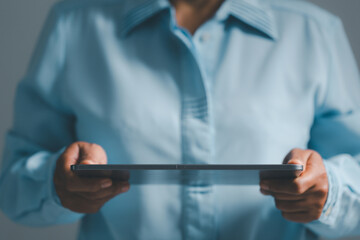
[(294, 151), (309, 151), (323, 175), (298, 186), (96, 147), (315, 154), (323, 191), (316, 215)]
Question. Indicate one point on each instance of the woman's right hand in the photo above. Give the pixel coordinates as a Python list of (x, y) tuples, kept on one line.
[(81, 194)]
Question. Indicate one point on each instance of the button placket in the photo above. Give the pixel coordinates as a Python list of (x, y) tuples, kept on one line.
[(198, 201), (198, 204)]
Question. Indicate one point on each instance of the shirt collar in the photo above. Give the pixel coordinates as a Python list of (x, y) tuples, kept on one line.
[(138, 11), (255, 14), (250, 12)]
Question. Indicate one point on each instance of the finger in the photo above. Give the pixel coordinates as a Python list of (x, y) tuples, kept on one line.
[(122, 187), (308, 158), (81, 152), (94, 153), (115, 189), (295, 186), (299, 217), (125, 187), (68, 157), (292, 206), (288, 186), (79, 204), (300, 155), (301, 184), (283, 196), (264, 192), (313, 164), (81, 184)]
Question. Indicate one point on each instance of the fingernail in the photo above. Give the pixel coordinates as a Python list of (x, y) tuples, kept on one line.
[(106, 184), (87, 161), (295, 161)]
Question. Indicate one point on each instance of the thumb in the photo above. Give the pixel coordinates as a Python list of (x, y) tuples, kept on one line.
[(298, 156), (84, 153), (90, 153), (296, 161), (87, 162)]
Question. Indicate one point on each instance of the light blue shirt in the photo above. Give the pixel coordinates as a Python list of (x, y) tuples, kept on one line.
[(253, 82)]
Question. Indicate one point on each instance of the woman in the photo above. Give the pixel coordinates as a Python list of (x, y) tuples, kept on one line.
[(191, 82)]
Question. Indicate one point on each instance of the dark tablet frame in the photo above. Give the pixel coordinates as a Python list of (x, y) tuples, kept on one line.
[(190, 174)]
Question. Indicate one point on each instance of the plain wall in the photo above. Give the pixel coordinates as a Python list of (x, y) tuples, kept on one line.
[(20, 23)]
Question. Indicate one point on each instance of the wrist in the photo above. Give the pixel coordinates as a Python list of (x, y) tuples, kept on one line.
[(329, 212), (58, 210), (52, 191)]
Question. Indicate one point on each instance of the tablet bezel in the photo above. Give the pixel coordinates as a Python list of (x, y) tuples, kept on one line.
[(194, 174)]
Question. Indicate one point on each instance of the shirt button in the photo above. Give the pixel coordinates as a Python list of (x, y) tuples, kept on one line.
[(204, 37)]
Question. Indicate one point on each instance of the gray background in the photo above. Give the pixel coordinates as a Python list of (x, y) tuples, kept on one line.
[(20, 23)]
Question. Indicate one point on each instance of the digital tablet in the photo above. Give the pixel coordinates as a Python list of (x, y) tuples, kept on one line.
[(190, 174)]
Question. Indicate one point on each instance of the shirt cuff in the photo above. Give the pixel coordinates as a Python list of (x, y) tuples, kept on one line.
[(329, 214), (54, 206)]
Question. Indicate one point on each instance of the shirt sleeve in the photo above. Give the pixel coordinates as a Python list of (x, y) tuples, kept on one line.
[(336, 136), (42, 128)]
